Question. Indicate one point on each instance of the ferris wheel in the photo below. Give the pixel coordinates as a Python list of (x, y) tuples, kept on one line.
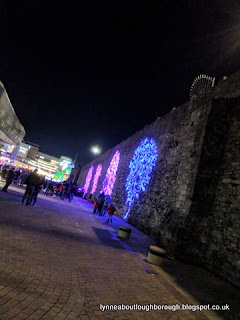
[(201, 84)]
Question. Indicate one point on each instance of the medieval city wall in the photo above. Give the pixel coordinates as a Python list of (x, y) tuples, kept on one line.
[(191, 203)]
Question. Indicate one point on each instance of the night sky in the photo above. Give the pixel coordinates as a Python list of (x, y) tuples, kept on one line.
[(95, 72)]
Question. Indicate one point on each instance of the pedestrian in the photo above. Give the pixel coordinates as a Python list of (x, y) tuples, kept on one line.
[(50, 189), (101, 199), (4, 172), (72, 193), (106, 204), (60, 190), (9, 179), (31, 181), (24, 178), (95, 206), (111, 210), (55, 191), (35, 192), (48, 183)]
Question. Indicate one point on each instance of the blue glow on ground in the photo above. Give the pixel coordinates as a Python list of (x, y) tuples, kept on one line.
[(141, 166)]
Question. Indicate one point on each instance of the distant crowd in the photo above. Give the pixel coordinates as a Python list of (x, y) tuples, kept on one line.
[(36, 184)]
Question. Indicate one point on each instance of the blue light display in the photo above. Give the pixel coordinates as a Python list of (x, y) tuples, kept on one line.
[(141, 166)]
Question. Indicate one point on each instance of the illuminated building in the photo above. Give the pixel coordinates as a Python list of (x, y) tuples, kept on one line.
[(23, 154), (11, 130), (29, 157)]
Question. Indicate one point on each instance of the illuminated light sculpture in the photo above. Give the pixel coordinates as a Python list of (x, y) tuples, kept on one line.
[(96, 178), (88, 180), (141, 166), (110, 178)]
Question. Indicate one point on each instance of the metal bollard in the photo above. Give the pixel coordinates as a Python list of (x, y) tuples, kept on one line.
[(124, 233), (156, 255)]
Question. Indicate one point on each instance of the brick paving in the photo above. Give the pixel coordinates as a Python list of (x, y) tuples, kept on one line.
[(59, 261)]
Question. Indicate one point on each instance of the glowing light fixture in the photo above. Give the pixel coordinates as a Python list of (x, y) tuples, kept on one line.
[(110, 177), (141, 166), (96, 178), (88, 179), (96, 150)]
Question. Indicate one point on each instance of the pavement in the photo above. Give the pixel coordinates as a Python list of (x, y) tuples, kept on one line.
[(60, 261)]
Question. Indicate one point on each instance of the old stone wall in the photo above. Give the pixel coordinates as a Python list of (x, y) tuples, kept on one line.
[(191, 204)]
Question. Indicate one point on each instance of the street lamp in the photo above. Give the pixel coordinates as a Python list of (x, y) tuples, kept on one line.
[(96, 150)]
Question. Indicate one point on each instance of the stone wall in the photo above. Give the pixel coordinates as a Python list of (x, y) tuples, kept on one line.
[(191, 204)]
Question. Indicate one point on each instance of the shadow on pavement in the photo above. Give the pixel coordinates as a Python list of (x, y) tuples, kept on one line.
[(105, 237)]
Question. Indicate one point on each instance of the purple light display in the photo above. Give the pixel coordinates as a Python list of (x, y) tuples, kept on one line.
[(110, 178), (88, 179), (96, 177)]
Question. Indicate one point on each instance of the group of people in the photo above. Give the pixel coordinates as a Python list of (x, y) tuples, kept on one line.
[(61, 190), (103, 204), (35, 184), (17, 176)]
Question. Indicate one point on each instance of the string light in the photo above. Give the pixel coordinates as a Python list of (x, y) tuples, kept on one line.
[(110, 177), (88, 180), (96, 178), (141, 166)]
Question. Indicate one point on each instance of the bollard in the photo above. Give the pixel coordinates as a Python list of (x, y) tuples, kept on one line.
[(156, 255), (124, 233)]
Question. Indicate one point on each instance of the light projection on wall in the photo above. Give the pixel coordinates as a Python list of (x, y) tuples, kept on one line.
[(88, 179), (110, 178), (141, 166), (96, 177)]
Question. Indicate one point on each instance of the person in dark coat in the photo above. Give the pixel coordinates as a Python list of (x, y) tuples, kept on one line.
[(73, 192), (100, 202), (35, 192), (9, 179), (4, 172), (31, 181)]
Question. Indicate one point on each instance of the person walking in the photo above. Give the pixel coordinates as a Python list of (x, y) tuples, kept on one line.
[(60, 190), (95, 206), (106, 204), (9, 179), (100, 202), (73, 192), (55, 190), (31, 181), (24, 178), (35, 192), (111, 211)]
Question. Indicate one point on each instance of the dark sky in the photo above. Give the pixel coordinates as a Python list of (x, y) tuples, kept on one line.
[(94, 72)]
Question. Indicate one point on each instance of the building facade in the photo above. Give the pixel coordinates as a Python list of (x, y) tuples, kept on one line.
[(11, 130)]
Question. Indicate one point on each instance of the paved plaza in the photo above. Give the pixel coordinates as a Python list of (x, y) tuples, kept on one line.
[(59, 261)]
